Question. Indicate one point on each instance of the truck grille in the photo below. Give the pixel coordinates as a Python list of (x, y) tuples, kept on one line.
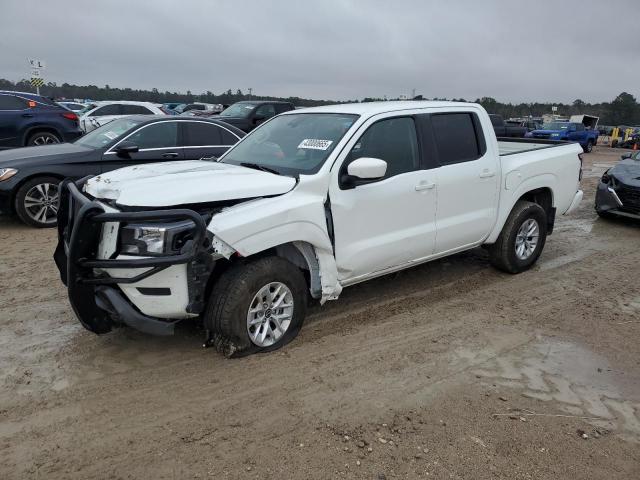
[(630, 198)]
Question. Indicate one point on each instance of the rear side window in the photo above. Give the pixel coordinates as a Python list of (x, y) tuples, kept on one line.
[(113, 109), (135, 110), (9, 102), (458, 137), (228, 138), (579, 127), (200, 134)]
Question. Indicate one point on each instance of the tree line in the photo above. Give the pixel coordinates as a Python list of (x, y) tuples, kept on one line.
[(622, 110)]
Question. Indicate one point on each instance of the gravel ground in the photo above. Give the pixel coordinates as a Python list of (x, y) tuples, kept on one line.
[(448, 370)]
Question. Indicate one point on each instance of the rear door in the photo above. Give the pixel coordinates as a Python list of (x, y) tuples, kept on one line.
[(13, 112), (157, 142), (206, 139), (468, 180)]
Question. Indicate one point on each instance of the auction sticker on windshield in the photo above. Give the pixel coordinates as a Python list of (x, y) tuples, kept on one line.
[(110, 135), (315, 144)]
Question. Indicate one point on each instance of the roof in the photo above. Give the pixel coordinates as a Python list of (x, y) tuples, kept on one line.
[(28, 94), (178, 118), (124, 102), (374, 108)]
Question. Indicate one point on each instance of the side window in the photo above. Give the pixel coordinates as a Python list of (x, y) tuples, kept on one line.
[(9, 102), (579, 127), (135, 110), (265, 111), (458, 137), (113, 109), (228, 138), (157, 135), (199, 134), (282, 107), (393, 140)]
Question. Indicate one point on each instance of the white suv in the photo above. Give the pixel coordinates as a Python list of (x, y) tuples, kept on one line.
[(99, 113)]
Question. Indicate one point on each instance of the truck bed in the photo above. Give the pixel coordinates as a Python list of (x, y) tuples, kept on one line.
[(510, 146)]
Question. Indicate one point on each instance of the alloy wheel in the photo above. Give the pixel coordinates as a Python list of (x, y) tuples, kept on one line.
[(270, 314), (41, 203), (527, 239)]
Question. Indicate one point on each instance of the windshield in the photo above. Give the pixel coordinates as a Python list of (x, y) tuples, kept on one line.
[(292, 144), (107, 133), (241, 110), (555, 126)]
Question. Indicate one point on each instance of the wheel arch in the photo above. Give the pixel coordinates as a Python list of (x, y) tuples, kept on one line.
[(40, 128), (14, 191)]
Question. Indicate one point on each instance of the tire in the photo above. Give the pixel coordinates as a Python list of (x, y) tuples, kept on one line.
[(36, 202), (589, 147), (236, 292), (43, 138), (504, 254)]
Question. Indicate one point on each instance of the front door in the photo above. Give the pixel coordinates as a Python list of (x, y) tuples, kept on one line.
[(157, 142), (390, 221)]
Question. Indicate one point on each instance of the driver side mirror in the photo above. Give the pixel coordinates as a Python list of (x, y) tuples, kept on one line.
[(125, 148), (363, 170)]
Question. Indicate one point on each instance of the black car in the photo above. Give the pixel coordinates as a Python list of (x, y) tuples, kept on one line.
[(504, 129), (28, 119), (619, 189), (29, 177), (248, 115)]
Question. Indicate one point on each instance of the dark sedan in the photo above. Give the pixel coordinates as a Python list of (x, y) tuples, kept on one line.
[(619, 189), (29, 177)]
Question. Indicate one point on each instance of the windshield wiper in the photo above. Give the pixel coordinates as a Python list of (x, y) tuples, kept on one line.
[(255, 166)]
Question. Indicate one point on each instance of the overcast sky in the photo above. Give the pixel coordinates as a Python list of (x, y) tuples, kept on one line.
[(513, 50)]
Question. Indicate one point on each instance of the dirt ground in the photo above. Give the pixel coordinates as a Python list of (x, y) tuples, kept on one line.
[(448, 370)]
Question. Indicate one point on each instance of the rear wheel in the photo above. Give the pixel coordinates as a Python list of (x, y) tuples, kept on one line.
[(43, 138), (37, 202), (522, 238), (589, 147), (257, 307)]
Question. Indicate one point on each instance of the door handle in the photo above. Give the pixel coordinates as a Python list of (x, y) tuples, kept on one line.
[(424, 186), (170, 155), (487, 174)]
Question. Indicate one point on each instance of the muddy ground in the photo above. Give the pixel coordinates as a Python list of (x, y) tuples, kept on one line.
[(448, 370)]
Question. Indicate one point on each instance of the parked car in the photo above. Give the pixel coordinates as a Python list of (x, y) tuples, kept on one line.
[(248, 115), (99, 113), (503, 129), (73, 106), (197, 107), (618, 192), (29, 177), (567, 131), (305, 205), (28, 119), (173, 106)]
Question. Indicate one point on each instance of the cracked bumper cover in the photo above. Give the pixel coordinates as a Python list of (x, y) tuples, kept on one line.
[(95, 298)]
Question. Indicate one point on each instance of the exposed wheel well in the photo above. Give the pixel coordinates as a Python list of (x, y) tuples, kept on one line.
[(544, 198)]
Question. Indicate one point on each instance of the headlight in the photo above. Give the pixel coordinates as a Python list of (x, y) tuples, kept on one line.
[(7, 173), (152, 239)]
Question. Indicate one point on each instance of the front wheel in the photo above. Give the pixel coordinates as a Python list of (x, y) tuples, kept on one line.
[(37, 202), (256, 307), (522, 238)]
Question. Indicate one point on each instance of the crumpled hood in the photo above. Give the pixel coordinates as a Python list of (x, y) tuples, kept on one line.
[(627, 172), (186, 182)]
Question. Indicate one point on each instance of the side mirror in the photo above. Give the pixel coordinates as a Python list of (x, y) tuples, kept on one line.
[(625, 155), (125, 148), (363, 170)]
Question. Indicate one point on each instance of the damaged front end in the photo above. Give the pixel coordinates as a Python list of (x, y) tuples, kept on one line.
[(106, 258), (615, 197)]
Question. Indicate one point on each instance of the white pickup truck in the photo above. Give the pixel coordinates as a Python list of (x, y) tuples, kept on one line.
[(310, 202)]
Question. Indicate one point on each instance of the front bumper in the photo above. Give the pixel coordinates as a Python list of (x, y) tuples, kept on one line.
[(624, 204), (95, 297)]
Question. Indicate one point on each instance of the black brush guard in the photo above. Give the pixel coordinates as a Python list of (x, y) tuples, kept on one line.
[(95, 298)]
